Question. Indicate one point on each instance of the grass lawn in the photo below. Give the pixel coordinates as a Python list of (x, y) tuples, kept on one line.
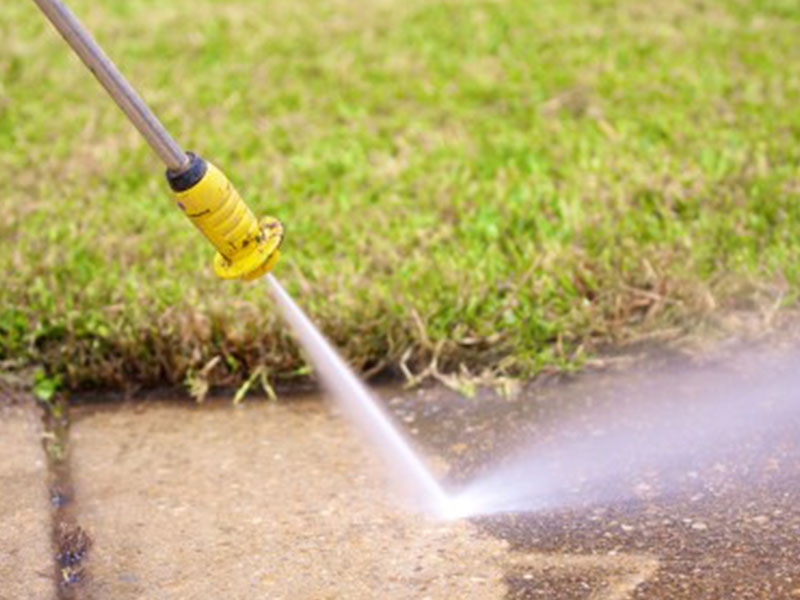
[(498, 185)]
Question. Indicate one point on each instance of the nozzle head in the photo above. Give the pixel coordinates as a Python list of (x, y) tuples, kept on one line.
[(260, 261), (246, 248)]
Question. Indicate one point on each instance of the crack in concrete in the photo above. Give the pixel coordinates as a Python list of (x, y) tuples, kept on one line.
[(71, 542)]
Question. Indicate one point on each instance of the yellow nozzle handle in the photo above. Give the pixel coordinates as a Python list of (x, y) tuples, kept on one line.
[(246, 248)]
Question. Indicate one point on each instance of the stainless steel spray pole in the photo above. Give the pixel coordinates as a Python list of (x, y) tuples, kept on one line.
[(116, 85)]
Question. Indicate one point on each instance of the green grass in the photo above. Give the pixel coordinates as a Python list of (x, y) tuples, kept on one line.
[(498, 185)]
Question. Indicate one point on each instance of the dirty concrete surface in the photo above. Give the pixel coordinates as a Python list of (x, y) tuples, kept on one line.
[(282, 500), (26, 563)]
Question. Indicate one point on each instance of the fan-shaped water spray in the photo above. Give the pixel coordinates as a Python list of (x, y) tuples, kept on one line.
[(643, 438)]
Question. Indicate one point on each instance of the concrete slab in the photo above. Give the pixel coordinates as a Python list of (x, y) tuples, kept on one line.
[(673, 482), (261, 501), (26, 557)]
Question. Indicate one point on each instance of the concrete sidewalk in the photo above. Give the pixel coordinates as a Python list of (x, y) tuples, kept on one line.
[(26, 558), (261, 501), (695, 494)]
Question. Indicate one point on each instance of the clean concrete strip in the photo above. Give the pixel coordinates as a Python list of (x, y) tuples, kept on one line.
[(26, 555), (261, 501)]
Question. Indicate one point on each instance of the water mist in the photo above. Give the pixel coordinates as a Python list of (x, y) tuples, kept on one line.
[(645, 435)]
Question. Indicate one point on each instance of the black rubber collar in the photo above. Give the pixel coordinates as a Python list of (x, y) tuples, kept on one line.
[(180, 182)]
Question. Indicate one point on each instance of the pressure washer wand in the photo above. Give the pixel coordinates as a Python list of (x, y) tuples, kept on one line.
[(246, 248)]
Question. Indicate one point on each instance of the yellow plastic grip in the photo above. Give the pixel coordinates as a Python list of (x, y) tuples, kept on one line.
[(246, 248)]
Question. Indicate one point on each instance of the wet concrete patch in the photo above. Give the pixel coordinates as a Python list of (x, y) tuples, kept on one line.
[(719, 519), (576, 576), (261, 501), (26, 563)]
